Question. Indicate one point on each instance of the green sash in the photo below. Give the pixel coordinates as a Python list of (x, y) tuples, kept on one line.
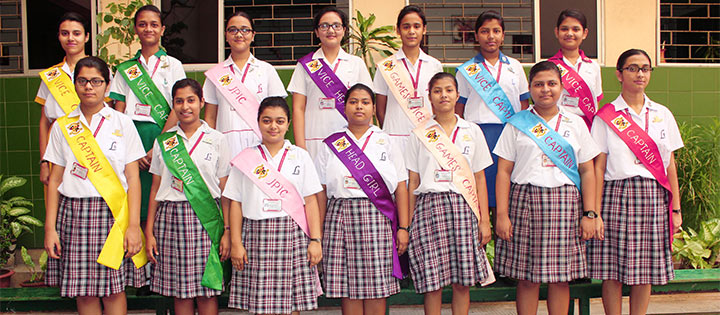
[(181, 166), (144, 88)]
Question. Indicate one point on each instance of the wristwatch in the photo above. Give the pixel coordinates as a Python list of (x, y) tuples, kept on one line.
[(590, 214)]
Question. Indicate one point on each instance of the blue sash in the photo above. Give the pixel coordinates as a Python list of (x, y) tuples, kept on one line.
[(550, 142), (489, 90)]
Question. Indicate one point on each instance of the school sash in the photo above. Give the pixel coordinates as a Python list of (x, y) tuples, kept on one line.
[(325, 79), (142, 85), (182, 167), (235, 92), (103, 177), (640, 143), (61, 87), (371, 183), (560, 152), (576, 87), (488, 88), (401, 87)]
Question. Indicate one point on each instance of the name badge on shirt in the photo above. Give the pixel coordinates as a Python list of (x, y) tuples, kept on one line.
[(349, 182), (143, 110), (415, 102), (79, 170), (546, 162), (443, 176), (327, 103), (176, 184), (570, 100), (272, 205)]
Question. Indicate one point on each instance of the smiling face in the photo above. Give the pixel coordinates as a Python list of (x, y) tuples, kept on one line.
[(187, 105), (638, 81), (545, 89), (72, 37), (490, 36), (411, 30), (239, 42), (570, 34), (149, 28), (359, 108), (273, 124), (443, 96), (330, 37), (89, 94)]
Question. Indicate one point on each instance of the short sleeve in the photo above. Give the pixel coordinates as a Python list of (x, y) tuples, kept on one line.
[(321, 161), (363, 74), (523, 88), (411, 158), (234, 185), (674, 138), (42, 94), (275, 85), (135, 149), (118, 87), (209, 93), (599, 134), (55, 151), (598, 82), (481, 157), (158, 164), (178, 73), (464, 88), (223, 163), (397, 160), (379, 84), (588, 148), (297, 81), (311, 182), (505, 147)]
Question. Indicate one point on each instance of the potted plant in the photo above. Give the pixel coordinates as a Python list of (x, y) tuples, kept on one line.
[(37, 277), (15, 219)]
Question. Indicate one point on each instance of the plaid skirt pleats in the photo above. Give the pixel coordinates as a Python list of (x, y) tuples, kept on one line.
[(278, 278), (636, 249), (357, 251), (83, 225), (546, 246), (445, 243), (184, 246)]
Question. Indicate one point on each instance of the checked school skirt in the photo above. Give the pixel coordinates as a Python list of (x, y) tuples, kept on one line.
[(636, 249), (445, 243), (184, 246), (357, 251), (546, 246), (278, 278), (82, 226)]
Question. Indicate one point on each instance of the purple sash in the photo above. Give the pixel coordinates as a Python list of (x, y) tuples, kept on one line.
[(325, 79), (576, 86), (370, 181)]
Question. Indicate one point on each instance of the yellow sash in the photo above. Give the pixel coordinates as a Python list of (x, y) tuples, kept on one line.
[(61, 87), (103, 177)]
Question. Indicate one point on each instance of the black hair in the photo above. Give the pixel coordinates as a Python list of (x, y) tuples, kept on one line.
[(362, 87), (572, 13), (241, 14), (187, 82), (411, 9), (487, 16), (442, 75), (328, 9), (150, 8), (542, 66), (75, 17), (274, 101), (629, 53), (93, 62)]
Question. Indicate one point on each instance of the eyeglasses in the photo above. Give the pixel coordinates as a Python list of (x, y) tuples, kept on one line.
[(244, 31), (94, 81), (636, 68), (325, 26)]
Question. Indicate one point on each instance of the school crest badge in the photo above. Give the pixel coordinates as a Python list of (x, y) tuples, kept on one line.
[(133, 72), (170, 143), (314, 65), (341, 144), (389, 65), (472, 69), (563, 70), (74, 129), (657, 119), (52, 74), (225, 80), (432, 135), (539, 130), (260, 171), (620, 123)]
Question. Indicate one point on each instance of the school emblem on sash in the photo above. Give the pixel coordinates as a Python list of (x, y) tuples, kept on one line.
[(620, 123), (538, 130), (562, 69), (225, 80), (472, 69), (170, 143), (389, 65), (260, 171), (74, 128), (341, 144), (52, 74), (313, 65), (432, 135), (133, 72)]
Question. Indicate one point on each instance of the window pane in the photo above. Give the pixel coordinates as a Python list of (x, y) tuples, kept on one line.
[(690, 31), (191, 30), (42, 26)]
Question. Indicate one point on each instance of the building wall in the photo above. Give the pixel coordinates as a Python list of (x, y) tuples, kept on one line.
[(630, 24)]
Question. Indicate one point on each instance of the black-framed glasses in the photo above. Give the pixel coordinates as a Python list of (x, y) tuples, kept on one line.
[(94, 81), (636, 68), (335, 26), (244, 31)]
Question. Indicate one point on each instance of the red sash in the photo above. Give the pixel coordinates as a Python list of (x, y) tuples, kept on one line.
[(576, 86)]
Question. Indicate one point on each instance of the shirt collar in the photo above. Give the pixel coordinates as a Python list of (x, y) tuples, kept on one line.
[(204, 128), (159, 54), (286, 146), (461, 123), (400, 54), (252, 61), (66, 68), (106, 112), (372, 128), (621, 105), (319, 54), (504, 59)]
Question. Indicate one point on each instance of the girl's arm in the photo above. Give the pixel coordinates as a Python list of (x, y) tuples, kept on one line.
[(120, 106), (133, 234), (225, 208), (44, 133), (587, 179), (413, 184), (675, 189), (313, 218), (238, 255), (211, 114), (380, 108), (401, 201), (150, 241), (299, 102), (600, 164), (460, 109), (524, 104), (484, 222), (322, 205), (52, 240), (503, 226)]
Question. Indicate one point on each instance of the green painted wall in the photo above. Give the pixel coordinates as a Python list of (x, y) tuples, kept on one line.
[(693, 95)]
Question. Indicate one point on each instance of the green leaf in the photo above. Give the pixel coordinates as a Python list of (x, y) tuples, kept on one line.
[(18, 211), (107, 19), (16, 229), (30, 220), (113, 8), (10, 183), (26, 258), (43, 260)]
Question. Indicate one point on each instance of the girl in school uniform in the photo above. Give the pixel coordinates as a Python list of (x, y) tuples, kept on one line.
[(358, 235), (506, 72), (634, 224), (582, 84), (540, 220), (419, 66), (81, 192), (143, 89), (184, 221), (450, 221), (316, 110), (274, 221), (259, 77)]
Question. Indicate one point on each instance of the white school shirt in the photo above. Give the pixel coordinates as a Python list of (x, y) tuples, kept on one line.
[(297, 167), (117, 138), (590, 73), (397, 125), (50, 106), (515, 146), (320, 123), (168, 72), (383, 154), (469, 140), (512, 81), (211, 157), (662, 128), (261, 79)]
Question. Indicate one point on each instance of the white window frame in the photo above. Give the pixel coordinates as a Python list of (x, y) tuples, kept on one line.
[(658, 49)]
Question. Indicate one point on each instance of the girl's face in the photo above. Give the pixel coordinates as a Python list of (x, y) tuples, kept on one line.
[(545, 89), (149, 28), (490, 36), (244, 34), (638, 80), (187, 105), (90, 86), (326, 31), (443, 96), (359, 108), (411, 30), (273, 124), (570, 34), (72, 37)]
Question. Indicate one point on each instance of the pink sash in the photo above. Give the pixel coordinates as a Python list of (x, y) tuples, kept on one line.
[(235, 92), (576, 86)]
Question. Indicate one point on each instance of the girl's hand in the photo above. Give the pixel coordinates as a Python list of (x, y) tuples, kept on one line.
[(314, 253), (133, 241), (599, 228), (677, 222), (485, 232), (52, 243), (225, 246), (151, 247), (403, 238), (587, 226), (145, 161), (503, 228), (238, 256), (44, 172)]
